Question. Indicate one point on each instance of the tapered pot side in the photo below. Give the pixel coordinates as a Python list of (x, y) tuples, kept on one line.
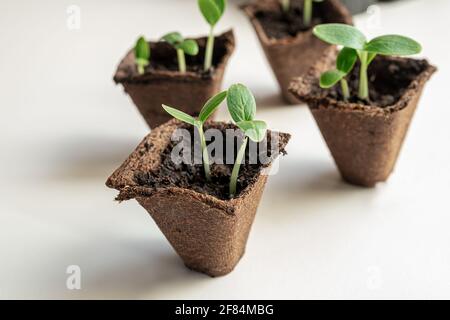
[(208, 233), (365, 141), (161, 85), (293, 56)]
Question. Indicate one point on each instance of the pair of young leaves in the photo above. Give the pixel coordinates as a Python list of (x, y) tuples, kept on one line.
[(241, 105), (355, 45), (142, 50), (188, 46)]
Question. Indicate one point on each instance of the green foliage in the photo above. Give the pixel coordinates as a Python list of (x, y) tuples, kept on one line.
[(242, 108), (255, 130), (180, 115), (212, 11), (142, 54), (182, 46), (208, 109), (241, 103), (211, 105), (356, 45)]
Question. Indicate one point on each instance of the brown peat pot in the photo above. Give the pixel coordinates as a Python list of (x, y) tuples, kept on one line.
[(208, 230), (290, 47), (365, 138), (163, 83)]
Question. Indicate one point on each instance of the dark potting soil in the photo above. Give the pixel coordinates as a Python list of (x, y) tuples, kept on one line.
[(191, 176), (164, 57), (279, 24), (388, 80)]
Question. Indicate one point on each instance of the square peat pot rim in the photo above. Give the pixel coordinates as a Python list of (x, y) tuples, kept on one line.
[(126, 70), (251, 9), (146, 158), (324, 102)]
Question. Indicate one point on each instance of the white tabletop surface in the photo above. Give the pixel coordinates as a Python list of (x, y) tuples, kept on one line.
[(65, 127)]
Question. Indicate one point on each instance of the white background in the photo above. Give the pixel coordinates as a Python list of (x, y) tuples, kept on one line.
[(65, 127)]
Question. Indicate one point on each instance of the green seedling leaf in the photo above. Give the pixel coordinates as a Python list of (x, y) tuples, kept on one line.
[(330, 78), (211, 105), (341, 34), (393, 45), (180, 115), (142, 49), (241, 103), (346, 60), (212, 10), (142, 54), (173, 38), (189, 47), (255, 130)]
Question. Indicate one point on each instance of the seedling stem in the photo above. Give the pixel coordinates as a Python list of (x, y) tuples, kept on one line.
[(209, 50), (364, 80), (181, 60), (237, 166), (345, 89), (307, 12), (204, 153)]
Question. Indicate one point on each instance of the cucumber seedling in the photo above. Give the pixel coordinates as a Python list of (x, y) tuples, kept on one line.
[(182, 46), (242, 107), (208, 109), (212, 11), (142, 54), (356, 46), (344, 64)]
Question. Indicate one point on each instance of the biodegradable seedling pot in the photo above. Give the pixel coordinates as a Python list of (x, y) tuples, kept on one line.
[(208, 230), (163, 83), (365, 140), (290, 48)]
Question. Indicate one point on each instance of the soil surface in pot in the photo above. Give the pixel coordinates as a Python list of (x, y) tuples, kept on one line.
[(388, 80), (164, 58), (191, 176), (279, 24)]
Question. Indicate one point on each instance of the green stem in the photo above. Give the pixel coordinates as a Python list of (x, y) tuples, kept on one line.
[(181, 61), (363, 78), (307, 12), (285, 4), (345, 89), (141, 68), (204, 153), (209, 50), (237, 166)]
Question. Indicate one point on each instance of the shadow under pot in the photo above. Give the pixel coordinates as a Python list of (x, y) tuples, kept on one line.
[(162, 83), (206, 228), (290, 47), (365, 138)]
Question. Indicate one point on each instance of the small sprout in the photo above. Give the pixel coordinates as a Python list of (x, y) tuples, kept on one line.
[(142, 54), (242, 108), (183, 47), (345, 62), (351, 38), (208, 109), (285, 5), (212, 11), (308, 11)]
